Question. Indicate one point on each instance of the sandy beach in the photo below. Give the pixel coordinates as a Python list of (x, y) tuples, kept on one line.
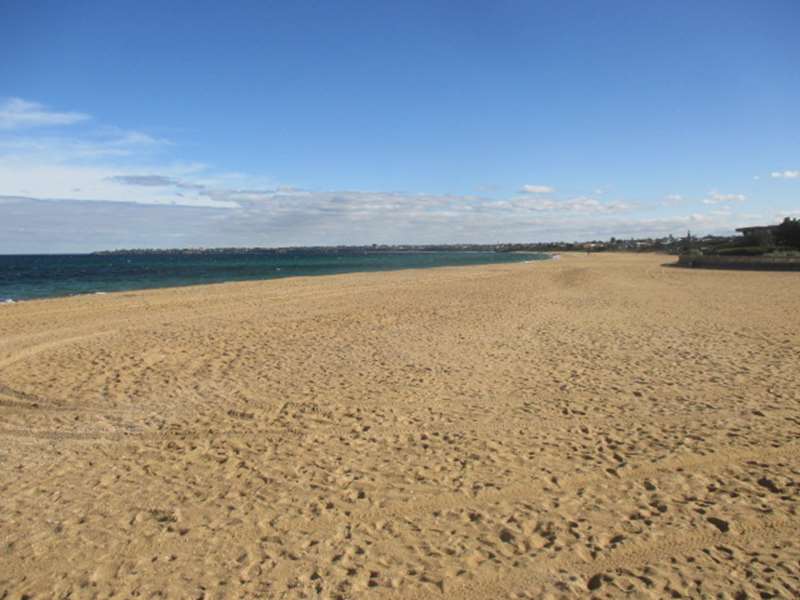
[(596, 426)]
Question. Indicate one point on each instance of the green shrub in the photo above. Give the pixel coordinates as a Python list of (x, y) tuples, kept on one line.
[(741, 251)]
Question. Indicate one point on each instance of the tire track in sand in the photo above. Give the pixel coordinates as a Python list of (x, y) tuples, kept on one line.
[(671, 545), (44, 347)]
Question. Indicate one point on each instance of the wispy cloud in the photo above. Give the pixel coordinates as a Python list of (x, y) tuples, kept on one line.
[(715, 197), (580, 205), (77, 147), (156, 181), (785, 174), (81, 162), (536, 189), (145, 180), (16, 113)]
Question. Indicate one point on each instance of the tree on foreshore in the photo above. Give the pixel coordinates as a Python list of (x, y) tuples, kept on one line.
[(788, 233), (687, 244)]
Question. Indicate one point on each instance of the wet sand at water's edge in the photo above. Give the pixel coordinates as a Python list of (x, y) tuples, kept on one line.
[(590, 426)]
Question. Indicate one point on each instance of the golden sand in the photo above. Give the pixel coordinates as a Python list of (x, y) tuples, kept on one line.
[(591, 426)]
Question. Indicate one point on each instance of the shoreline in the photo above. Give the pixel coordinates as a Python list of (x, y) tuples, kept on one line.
[(238, 282), (10, 300)]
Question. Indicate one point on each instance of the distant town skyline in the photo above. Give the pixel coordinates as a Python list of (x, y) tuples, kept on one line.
[(125, 125)]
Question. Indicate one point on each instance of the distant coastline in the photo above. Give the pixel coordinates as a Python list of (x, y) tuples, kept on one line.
[(330, 250), (668, 244)]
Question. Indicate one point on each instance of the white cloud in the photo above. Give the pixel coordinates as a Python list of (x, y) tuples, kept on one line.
[(49, 180), (672, 199), (536, 189), (16, 113), (785, 174), (715, 197), (581, 205)]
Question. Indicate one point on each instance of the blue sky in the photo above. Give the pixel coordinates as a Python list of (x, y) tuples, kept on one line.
[(201, 123)]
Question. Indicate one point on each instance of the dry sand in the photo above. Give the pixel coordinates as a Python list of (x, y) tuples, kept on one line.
[(597, 425)]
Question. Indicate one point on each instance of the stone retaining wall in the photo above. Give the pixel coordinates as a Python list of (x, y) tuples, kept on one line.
[(769, 263)]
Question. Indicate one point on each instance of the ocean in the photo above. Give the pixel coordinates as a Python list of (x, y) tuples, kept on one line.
[(26, 277)]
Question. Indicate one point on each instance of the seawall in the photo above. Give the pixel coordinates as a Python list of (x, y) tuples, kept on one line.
[(759, 263)]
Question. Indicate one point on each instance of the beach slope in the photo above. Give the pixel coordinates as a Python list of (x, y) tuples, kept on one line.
[(599, 425)]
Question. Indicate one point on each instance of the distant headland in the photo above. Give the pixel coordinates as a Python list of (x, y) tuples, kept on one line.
[(665, 244)]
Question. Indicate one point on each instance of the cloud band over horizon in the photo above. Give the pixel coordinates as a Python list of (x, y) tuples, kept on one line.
[(69, 184)]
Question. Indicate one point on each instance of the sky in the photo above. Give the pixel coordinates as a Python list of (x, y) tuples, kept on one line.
[(185, 124)]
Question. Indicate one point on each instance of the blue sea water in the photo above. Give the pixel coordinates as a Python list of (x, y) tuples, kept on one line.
[(25, 277)]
